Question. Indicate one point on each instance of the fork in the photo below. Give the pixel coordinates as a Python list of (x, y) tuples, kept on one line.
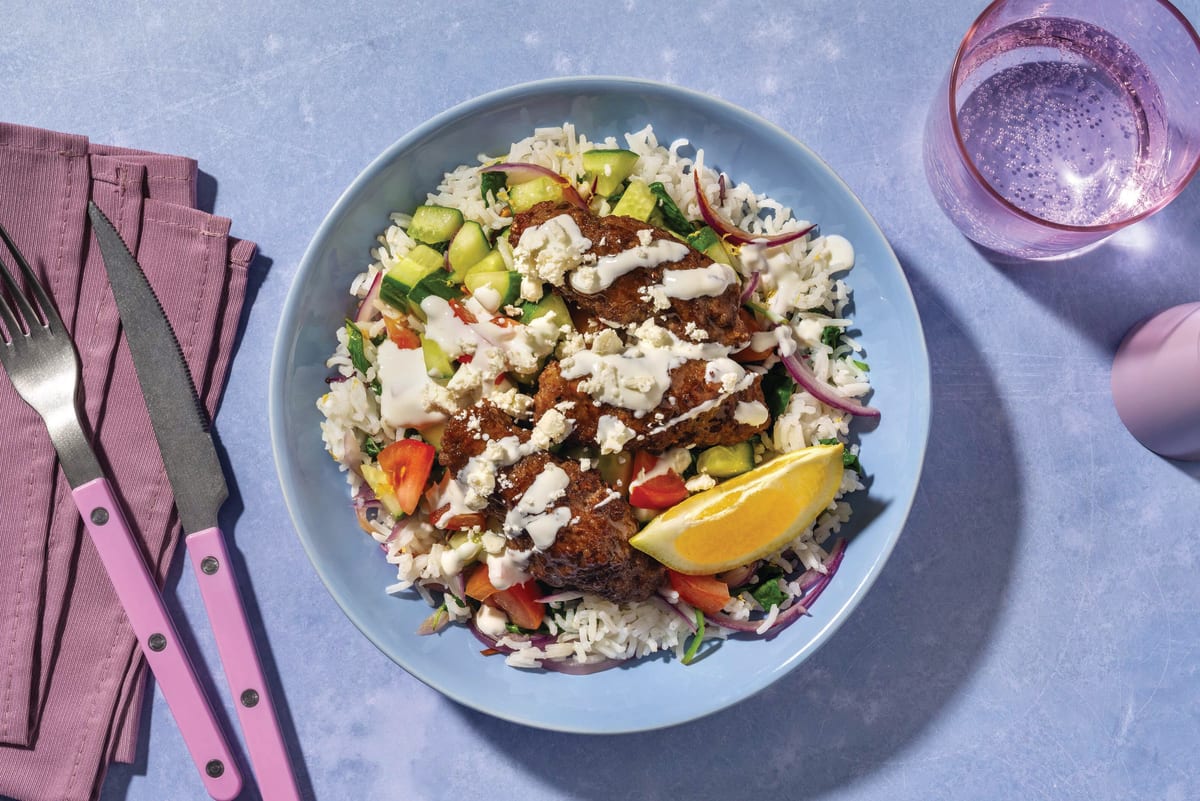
[(42, 363)]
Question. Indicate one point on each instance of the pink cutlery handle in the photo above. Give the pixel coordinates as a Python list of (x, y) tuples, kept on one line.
[(264, 741), (158, 638)]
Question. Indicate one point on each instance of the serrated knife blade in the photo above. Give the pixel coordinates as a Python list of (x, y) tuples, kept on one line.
[(179, 420), (181, 428)]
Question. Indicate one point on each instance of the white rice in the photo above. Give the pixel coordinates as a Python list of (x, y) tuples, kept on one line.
[(592, 628)]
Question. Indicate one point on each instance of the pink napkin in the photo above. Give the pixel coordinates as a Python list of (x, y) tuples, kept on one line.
[(71, 676)]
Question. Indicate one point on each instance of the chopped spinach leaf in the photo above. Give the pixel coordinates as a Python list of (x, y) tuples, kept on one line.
[(371, 447), (354, 344), (849, 460), (491, 183), (831, 335), (673, 218), (866, 368), (379, 338), (777, 387), (769, 594)]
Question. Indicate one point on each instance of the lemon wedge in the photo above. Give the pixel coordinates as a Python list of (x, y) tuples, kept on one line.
[(747, 517)]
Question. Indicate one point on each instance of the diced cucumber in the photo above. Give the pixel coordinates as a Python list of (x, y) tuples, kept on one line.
[(609, 168), (381, 484), (550, 302), (469, 246), (507, 284), (433, 434), (433, 224), (436, 283), (437, 363), (493, 262), (726, 461), (638, 202), (523, 197), (399, 281), (708, 242)]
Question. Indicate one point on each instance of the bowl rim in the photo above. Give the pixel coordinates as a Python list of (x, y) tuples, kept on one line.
[(922, 414)]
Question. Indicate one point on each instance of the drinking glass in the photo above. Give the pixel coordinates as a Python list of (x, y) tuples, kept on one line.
[(1062, 121)]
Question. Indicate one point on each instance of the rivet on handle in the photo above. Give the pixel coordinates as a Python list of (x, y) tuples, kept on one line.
[(157, 642), (214, 768), (99, 515), (250, 698), (210, 565)]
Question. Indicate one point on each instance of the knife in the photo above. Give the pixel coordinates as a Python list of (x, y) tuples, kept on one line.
[(198, 483)]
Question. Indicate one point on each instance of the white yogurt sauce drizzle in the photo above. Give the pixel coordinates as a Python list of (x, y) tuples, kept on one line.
[(592, 278), (532, 513)]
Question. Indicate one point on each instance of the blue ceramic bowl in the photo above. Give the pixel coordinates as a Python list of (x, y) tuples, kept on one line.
[(655, 692)]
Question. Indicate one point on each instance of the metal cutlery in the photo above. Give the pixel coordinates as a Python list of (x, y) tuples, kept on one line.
[(40, 359), (181, 430)]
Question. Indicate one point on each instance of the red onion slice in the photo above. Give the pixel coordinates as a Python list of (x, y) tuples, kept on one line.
[(798, 609), (822, 390), (730, 232), (688, 615), (519, 173), (367, 310), (751, 285)]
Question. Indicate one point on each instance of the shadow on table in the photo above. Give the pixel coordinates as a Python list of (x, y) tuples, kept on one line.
[(885, 678), (1124, 280)]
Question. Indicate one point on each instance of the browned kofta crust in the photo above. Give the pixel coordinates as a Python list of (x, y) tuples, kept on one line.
[(717, 426), (622, 303), (592, 552)]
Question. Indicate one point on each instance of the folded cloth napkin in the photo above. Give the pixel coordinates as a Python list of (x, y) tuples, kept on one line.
[(71, 676)]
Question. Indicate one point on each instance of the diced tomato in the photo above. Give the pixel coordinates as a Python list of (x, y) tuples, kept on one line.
[(502, 321), (643, 463), (519, 601), (398, 331), (462, 522), (521, 604), (408, 462), (749, 354), (500, 378), (660, 492), (465, 358), (479, 586), (461, 311), (707, 593)]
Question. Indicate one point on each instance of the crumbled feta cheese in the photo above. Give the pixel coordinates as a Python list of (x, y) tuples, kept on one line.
[(612, 434), (547, 252), (753, 413), (550, 429), (645, 235), (512, 401)]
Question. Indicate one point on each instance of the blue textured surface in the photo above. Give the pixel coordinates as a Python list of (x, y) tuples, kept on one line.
[(652, 695), (1035, 633)]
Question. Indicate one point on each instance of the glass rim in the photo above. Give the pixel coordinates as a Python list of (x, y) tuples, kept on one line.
[(952, 93)]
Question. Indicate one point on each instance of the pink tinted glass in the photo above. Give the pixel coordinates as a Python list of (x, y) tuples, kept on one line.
[(1062, 121)]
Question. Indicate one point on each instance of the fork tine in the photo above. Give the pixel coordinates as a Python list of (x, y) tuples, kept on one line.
[(10, 321), (26, 309), (49, 310)]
